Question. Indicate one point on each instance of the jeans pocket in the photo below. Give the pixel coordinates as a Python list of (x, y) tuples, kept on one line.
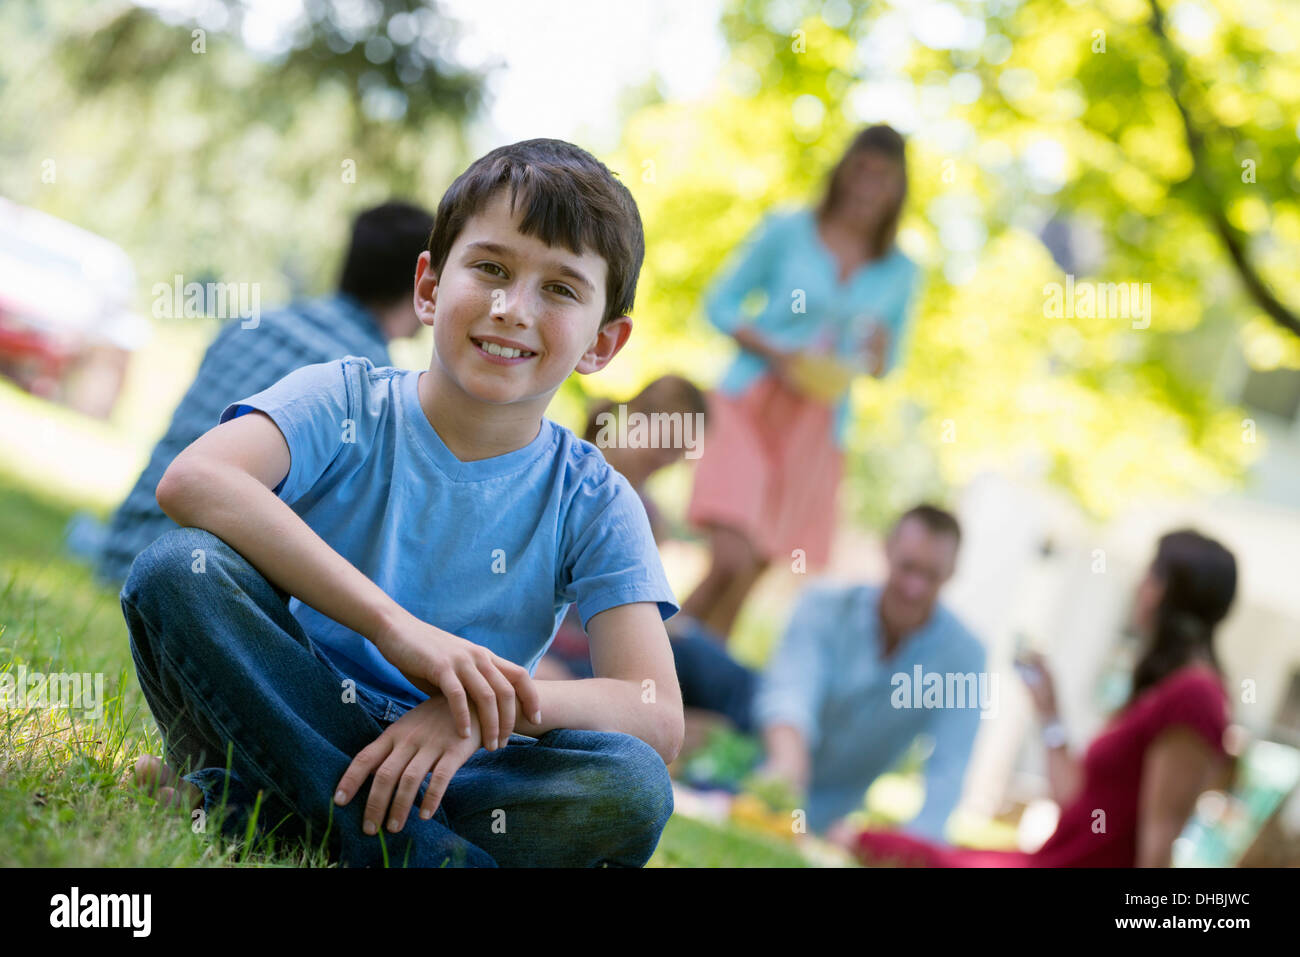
[(382, 709)]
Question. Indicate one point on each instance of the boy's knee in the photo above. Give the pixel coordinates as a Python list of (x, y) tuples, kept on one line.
[(172, 562), (639, 785)]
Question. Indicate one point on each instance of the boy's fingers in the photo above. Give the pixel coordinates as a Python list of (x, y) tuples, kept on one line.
[(505, 695), (447, 767), (485, 701), (381, 789), (530, 698), (408, 785), (367, 759), (451, 688)]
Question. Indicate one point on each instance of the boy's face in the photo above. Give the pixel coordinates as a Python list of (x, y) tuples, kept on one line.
[(502, 289)]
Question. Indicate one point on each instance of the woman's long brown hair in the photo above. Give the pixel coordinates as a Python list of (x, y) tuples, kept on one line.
[(1200, 580), (888, 142)]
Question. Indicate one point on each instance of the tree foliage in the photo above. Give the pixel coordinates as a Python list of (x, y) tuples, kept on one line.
[(1166, 132), (203, 158), (1032, 117)]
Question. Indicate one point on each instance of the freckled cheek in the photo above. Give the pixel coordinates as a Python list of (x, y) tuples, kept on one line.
[(464, 308), (475, 299), (555, 336)]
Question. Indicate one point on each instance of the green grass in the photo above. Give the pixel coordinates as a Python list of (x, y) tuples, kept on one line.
[(688, 843), (62, 797), (63, 800)]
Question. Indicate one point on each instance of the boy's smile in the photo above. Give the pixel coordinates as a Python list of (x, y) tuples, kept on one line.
[(512, 317), (502, 350)]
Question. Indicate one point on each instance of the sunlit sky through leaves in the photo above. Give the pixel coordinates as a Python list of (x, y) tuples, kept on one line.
[(561, 67)]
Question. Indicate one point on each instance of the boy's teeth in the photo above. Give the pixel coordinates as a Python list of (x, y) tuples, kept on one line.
[(491, 348)]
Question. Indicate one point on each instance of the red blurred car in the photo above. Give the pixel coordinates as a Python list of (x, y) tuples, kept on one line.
[(66, 329)]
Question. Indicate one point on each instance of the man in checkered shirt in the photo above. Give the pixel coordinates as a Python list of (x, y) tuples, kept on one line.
[(373, 305)]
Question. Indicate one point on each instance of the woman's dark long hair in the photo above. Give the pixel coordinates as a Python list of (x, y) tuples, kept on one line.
[(668, 393), (888, 142), (1200, 580)]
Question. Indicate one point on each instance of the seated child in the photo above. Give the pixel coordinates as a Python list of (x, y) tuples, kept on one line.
[(432, 529)]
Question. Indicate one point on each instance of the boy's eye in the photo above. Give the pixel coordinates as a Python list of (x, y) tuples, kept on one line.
[(493, 269)]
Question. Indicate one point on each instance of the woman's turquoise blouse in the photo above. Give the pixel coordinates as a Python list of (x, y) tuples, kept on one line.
[(803, 305)]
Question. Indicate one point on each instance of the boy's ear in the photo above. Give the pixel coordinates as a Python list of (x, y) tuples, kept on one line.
[(425, 296), (611, 337)]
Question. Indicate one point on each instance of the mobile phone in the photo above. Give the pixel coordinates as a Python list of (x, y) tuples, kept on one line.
[(1022, 662)]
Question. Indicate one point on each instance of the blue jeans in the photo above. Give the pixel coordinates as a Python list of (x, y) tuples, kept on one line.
[(709, 677), (223, 662)]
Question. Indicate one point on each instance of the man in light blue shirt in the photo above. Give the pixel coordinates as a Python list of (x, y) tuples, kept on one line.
[(863, 670)]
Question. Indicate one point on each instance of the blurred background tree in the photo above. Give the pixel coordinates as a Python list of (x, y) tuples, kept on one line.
[(1117, 141), (204, 157), (1109, 140)]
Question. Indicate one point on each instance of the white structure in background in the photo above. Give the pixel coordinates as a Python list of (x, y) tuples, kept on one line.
[(1032, 565)]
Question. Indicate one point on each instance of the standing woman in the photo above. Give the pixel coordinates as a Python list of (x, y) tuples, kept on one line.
[(838, 294)]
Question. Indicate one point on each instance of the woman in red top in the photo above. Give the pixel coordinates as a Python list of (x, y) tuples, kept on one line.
[(1129, 797)]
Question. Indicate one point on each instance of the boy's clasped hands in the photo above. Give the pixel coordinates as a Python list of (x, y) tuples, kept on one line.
[(440, 733)]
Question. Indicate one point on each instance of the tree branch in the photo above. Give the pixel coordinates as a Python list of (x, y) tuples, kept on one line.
[(1229, 235)]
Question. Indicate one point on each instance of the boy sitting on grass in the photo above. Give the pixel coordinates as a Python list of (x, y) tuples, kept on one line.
[(432, 528)]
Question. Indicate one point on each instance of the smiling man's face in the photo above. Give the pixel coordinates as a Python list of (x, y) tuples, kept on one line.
[(512, 316), (920, 562)]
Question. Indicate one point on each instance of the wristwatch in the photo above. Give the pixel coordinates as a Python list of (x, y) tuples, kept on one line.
[(1054, 734)]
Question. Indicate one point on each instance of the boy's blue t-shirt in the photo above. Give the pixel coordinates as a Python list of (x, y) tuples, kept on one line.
[(493, 551)]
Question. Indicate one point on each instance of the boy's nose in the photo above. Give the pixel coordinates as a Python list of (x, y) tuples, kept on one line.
[(511, 307)]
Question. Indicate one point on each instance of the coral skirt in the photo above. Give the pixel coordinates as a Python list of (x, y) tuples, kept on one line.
[(770, 469)]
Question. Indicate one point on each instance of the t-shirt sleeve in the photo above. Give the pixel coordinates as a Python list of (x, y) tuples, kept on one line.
[(312, 408), (1197, 702), (611, 558)]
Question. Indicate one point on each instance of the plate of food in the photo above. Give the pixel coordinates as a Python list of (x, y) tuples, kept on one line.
[(821, 377)]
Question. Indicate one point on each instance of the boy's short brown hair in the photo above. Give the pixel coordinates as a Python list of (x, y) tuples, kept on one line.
[(569, 197)]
